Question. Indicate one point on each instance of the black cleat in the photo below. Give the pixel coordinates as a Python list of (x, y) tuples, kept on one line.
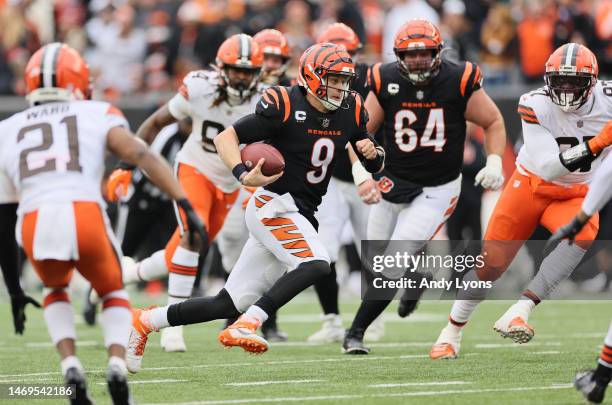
[(353, 342), (410, 299), (75, 379), (118, 386), (90, 310), (270, 331), (592, 389)]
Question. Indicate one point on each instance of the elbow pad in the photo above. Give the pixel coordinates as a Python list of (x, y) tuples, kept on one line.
[(375, 165), (576, 157)]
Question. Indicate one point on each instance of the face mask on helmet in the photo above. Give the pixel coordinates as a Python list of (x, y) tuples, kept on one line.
[(569, 92), (419, 65), (240, 83), (334, 90), (274, 67)]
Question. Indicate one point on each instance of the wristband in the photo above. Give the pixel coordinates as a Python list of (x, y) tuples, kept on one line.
[(239, 170), (360, 174)]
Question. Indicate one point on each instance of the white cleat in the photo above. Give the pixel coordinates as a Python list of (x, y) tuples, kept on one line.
[(448, 344), (331, 331), (514, 326), (376, 331), (172, 339), (137, 342)]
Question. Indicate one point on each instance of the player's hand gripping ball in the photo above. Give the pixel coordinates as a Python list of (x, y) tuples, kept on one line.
[(274, 161)]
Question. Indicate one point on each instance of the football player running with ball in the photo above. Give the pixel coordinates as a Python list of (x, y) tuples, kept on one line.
[(421, 103), (563, 144), (309, 124)]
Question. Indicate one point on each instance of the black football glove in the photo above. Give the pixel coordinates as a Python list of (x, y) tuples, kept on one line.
[(194, 224), (567, 231), (18, 304)]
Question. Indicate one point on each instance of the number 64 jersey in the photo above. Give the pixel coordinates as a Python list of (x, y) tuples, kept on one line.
[(195, 99), (548, 131), (54, 153)]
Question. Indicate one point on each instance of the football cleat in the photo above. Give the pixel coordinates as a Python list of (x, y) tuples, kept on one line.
[(118, 386), (137, 343), (517, 329), (376, 331), (270, 331), (172, 340), (593, 390), (353, 342), (243, 333), (75, 380), (448, 344), (331, 331)]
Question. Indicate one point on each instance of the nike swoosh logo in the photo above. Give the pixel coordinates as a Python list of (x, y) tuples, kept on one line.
[(264, 105)]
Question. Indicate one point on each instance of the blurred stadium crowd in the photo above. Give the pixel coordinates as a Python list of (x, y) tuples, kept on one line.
[(145, 46)]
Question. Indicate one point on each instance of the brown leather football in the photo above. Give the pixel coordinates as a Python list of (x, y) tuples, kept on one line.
[(274, 164)]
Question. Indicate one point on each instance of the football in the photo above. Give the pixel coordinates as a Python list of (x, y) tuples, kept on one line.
[(274, 164)]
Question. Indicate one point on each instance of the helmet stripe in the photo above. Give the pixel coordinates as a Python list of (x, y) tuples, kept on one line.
[(48, 66), (570, 55), (245, 48)]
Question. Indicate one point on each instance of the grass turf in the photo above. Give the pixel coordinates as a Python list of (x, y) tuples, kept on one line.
[(490, 369)]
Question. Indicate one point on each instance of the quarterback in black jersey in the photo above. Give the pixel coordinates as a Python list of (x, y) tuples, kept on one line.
[(309, 124), (346, 200), (419, 106)]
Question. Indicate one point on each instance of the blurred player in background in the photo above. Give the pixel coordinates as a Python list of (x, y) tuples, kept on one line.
[(564, 143), (309, 124), (343, 201), (277, 54), (54, 154), (421, 103), (213, 101)]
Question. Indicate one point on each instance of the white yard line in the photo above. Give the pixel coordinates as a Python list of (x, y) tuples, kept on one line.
[(546, 352), (242, 384), (149, 381), (44, 345), (417, 384), (513, 345), (355, 396)]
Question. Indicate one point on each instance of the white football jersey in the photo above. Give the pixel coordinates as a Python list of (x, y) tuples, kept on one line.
[(195, 99), (548, 130), (55, 152)]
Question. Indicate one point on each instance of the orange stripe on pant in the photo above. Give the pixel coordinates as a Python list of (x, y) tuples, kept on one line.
[(526, 202), (210, 203), (98, 262)]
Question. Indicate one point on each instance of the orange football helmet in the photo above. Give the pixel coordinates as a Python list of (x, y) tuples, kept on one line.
[(317, 64), (342, 34), (571, 73), (274, 45), (56, 72), (240, 52), (414, 36)]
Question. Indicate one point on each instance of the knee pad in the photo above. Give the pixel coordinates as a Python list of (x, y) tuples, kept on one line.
[(317, 268)]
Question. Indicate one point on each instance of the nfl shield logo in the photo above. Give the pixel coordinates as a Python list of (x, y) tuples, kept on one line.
[(420, 95), (325, 122)]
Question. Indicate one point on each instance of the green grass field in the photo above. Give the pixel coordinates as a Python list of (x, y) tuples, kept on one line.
[(397, 371)]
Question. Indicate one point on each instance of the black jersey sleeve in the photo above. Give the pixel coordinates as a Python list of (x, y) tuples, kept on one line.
[(271, 111), (471, 80), (361, 119), (374, 81)]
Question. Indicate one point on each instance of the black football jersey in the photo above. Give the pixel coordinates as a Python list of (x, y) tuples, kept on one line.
[(308, 139), (424, 126), (343, 170)]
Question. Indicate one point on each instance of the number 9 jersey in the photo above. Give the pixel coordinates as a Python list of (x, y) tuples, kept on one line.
[(196, 99)]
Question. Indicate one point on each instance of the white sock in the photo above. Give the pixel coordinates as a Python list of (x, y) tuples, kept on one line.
[(462, 311), (608, 339), (151, 268), (116, 320), (158, 317), (255, 312), (119, 363), (523, 307), (179, 288), (70, 362), (59, 318)]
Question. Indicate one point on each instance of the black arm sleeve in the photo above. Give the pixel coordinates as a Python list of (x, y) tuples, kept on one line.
[(9, 254), (375, 165), (254, 128)]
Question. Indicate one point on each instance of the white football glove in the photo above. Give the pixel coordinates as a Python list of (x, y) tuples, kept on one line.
[(491, 176)]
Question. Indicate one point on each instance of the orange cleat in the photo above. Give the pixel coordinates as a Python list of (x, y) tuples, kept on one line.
[(243, 333), (517, 329), (442, 351), (138, 340)]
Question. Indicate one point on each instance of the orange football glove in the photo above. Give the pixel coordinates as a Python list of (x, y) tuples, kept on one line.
[(602, 140), (118, 183)]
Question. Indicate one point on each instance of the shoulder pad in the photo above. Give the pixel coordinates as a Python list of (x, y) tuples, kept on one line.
[(274, 103), (471, 79), (199, 83), (533, 106)]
